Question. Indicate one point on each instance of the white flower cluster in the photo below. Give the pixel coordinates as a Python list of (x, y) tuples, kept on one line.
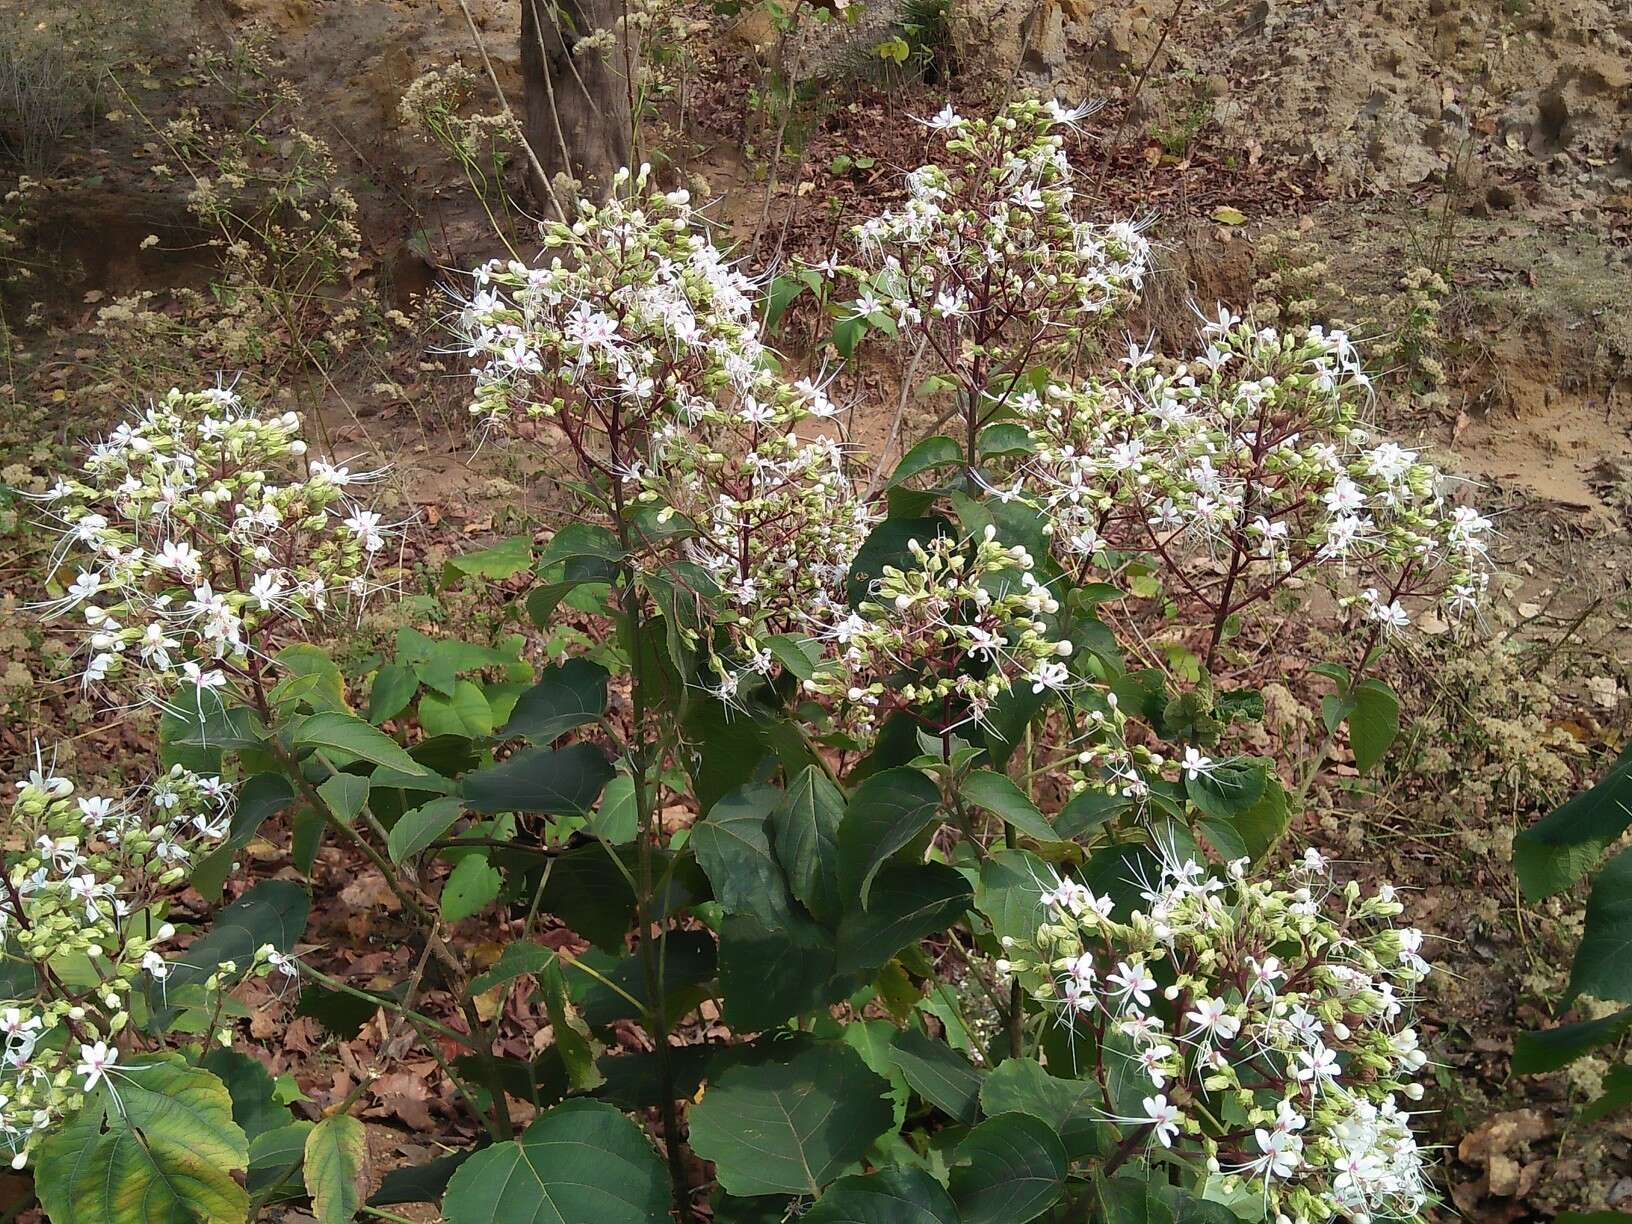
[(950, 635), (986, 261), (79, 922), (1269, 1022), (196, 532), (637, 320), (1248, 466), (640, 341)]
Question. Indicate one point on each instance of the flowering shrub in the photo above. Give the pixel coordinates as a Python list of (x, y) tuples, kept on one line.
[(818, 736), (196, 532)]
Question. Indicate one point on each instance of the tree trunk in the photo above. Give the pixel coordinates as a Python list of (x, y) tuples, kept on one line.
[(578, 116)]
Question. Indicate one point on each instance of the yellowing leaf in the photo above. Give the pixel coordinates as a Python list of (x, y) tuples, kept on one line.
[(1226, 215)]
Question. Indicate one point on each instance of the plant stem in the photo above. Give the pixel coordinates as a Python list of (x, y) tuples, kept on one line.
[(647, 817)]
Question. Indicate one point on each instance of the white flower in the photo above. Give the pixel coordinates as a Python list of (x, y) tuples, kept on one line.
[(95, 1061), (1196, 765)]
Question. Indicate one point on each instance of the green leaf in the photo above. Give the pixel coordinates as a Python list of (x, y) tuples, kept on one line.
[(273, 912), (846, 333), (505, 559), (260, 798), (1616, 1096), (565, 697), (887, 545), (1010, 1169), (1603, 959), (766, 976), (557, 782), (1010, 893), (473, 885), (163, 1154), (999, 795), (1373, 723), (581, 540), (336, 1168), (581, 1162), (1089, 810), (939, 1074), (421, 1183), (930, 454), (890, 1196), (418, 827), (345, 794), (790, 1127), (340, 1013), (1071, 1107), (254, 1105), (1003, 438), (1563, 845), (887, 811), (518, 959), (909, 902), (805, 837), (733, 846), (465, 713), (275, 1158), (393, 688), (320, 683), (330, 731), (781, 294), (1546, 1050), (1228, 789)]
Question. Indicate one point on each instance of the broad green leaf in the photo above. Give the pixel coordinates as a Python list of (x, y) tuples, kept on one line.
[(466, 712), (1564, 845), (581, 1162), (1009, 1169), (1615, 1097), (689, 965), (260, 798), (554, 781), (617, 818), (421, 1183), (581, 540), (1089, 810), (887, 545), (565, 697), (336, 1168), (1000, 796), (909, 902), (1373, 723), (254, 1105), (505, 559), (345, 794), (323, 687), (340, 1013), (572, 1042), (273, 912), (890, 1196), (1071, 1107), (1549, 1049), (939, 1074), (789, 1127), (1010, 893), (345, 733), (733, 845), (1603, 959), (164, 1153), (1228, 789), (1260, 826), (275, 1158), (767, 976), (928, 455), (393, 688), (418, 827), (887, 811), (473, 885), (805, 836), (1003, 438), (518, 959)]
